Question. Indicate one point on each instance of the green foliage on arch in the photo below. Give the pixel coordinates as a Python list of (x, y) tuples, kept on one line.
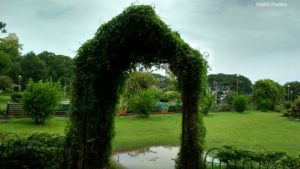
[(102, 65)]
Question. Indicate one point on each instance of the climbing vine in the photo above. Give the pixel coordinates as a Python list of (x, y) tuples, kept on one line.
[(136, 36)]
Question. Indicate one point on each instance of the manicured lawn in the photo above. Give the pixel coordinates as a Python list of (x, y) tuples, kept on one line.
[(4, 98), (255, 131), (26, 126)]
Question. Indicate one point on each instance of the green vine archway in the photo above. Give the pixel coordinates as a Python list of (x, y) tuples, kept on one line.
[(135, 36)]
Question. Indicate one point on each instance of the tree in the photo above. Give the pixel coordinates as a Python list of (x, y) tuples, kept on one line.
[(33, 68), (293, 91), (59, 67), (240, 103), (5, 83), (142, 103), (40, 100), (266, 94), (231, 81), (11, 46), (10, 56), (5, 63), (2, 27), (165, 83), (138, 81)]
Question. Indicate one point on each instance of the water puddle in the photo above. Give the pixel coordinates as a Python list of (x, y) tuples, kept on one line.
[(160, 157)]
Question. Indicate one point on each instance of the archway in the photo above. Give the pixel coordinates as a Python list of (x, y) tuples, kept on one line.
[(135, 36)]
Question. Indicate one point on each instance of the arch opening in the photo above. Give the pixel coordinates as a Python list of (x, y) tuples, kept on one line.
[(135, 36)]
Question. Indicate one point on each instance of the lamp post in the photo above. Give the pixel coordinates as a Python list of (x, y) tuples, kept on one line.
[(288, 94), (237, 83), (20, 77), (291, 95)]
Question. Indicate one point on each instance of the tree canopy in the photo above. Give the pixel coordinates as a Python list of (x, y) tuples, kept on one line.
[(230, 81), (44, 66), (293, 89), (266, 94), (2, 27)]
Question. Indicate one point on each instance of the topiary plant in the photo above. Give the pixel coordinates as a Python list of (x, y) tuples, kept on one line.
[(240, 103)]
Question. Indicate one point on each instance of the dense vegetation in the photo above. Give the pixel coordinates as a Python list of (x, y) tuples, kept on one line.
[(16, 68)]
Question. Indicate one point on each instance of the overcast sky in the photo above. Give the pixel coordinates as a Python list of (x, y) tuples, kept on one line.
[(256, 38)]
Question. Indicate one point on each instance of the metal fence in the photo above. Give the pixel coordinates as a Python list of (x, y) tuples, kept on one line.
[(213, 161), (23, 155)]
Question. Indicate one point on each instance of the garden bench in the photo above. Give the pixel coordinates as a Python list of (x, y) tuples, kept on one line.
[(62, 110), (15, 109)]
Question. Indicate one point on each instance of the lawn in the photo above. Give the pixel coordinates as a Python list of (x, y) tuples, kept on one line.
[(255, 131)]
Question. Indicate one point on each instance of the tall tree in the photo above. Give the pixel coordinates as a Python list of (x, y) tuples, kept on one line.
[(292, 90), (10, 56), (33, 68), (138, 81), (59, 67), (233, 81), (2, 27), (266, 94), (5, 63), (11, 46)]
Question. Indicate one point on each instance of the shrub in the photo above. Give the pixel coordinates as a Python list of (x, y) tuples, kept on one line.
[(279, 108), (265, 105), (16, 97), (229, 97), (2, 109), (240, 103), (142, 103), (207, 103), (238, 158), (39, 150), (40, 100), (297, 102), (5, 83), (287, 104), (266, 94)]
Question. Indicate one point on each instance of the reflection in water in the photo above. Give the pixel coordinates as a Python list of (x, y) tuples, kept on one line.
[(148, 158)]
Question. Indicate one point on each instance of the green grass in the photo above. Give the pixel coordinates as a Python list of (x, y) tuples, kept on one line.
[(5, 98), (26, 126), (256, 131)]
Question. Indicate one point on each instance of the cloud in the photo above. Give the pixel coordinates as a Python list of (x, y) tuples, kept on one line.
[(258, 42)]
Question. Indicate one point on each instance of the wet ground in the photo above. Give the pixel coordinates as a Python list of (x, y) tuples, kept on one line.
[(160, 157)]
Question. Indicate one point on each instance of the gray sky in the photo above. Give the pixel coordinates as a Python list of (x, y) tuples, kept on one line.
[(256, 38)]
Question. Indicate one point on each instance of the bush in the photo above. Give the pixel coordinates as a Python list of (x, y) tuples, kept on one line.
[(40, 100), (39, 150), (279, 108), (5, 83), (266, 105), (233, 156), (297, 102), (142, 103), (240, 103), (229, 97), (2, 109), (16, 97), (287, 104)]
